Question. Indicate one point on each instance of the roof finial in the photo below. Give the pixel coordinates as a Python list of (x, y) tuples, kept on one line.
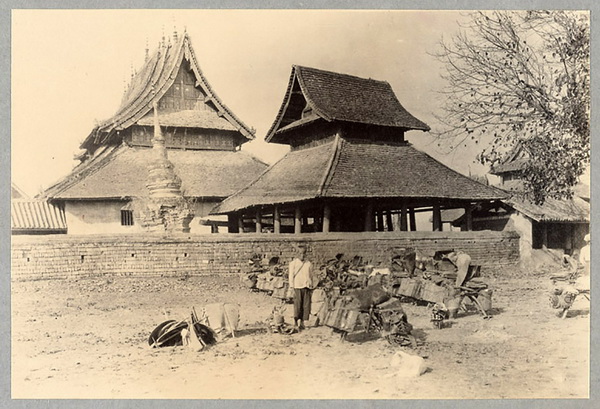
[(132, 70), (147, 50), (163, 35)]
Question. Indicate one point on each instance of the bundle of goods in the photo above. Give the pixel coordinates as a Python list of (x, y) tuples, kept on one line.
[(370, 310), (563, 298), (189, 332), (271, 278)]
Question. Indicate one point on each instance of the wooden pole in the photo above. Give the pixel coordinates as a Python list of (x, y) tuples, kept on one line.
[(297, 220), (232, 223), (437, 218), (369, 217), (258, 221), (413, 219), (544, 235), (403, 224), (241, 222), (380, 221), (469, 217), (276, 220), (326, 218), (388, 220)]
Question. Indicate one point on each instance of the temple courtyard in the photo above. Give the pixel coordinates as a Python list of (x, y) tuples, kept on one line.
[(87, 338)]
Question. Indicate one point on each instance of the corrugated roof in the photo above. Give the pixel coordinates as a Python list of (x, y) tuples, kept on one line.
[(353, 169), (553, 210), (150, 85), (123, 173), (35, 215), (341, 97)]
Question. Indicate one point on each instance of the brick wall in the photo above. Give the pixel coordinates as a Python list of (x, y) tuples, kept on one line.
[(47, 257)]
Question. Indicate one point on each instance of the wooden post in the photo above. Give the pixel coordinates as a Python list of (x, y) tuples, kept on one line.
[(232, 223), (437, 218), (380, 221), (544, 235), (276, 220), (326, 218), (297, 220), (241, 222), (388, 220), (369, 217), (469, 217), (403, 224), (413, 219), (258, 221)]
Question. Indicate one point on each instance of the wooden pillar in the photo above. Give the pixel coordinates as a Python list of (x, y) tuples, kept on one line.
[(326, 218), (232, 223), (241, 222), (297, 220), (569, 238), (258, 221), (437, 218), (369, 217), (380, 221), (388, 220), (276, 220), (403, 224), (544, 235), (413, 219), (469, 217)]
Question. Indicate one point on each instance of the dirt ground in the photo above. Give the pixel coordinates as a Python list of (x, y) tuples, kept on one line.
[(88, 339)]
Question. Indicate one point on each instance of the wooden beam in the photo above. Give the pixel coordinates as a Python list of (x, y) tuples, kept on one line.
[(403, 221), (297, 220), (258, 221), (413, 219), (276, 220), (326, 218)]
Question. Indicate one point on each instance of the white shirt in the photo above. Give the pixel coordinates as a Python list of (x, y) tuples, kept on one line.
[(300, 273)]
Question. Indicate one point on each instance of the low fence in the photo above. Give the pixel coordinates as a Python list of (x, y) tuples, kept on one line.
[(65, 256)]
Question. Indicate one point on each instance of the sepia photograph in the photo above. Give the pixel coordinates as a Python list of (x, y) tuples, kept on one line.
[(300, 204)]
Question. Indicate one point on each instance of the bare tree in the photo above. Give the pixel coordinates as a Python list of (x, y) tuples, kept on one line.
[(522, 77)]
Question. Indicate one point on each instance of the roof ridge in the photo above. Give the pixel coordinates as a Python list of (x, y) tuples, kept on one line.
[(339, 74), (331, 166)]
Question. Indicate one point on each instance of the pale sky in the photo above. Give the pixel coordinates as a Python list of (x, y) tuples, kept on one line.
[(69, 68)]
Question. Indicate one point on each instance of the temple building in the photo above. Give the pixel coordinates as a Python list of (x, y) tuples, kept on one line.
[(202, 138), (350, 168), (557, 224)]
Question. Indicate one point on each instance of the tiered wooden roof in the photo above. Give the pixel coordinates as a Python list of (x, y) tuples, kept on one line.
[(152, 82), (357, 169), (331, 96), (112, 169)]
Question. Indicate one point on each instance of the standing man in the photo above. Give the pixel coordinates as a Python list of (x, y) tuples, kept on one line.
[(301, 280), (462, 261)]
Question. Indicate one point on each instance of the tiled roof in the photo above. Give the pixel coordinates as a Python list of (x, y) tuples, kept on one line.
[(297, 176), (380, 170), (357, 169), (36, 216), (190, 119), (553, 210), (152, 82), (511, 166), (121, 173), (341, 97)]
